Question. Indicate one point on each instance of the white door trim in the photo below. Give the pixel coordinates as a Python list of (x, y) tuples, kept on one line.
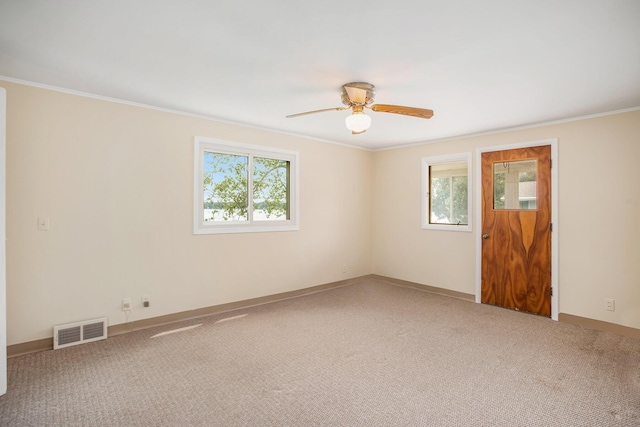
[(3, 241), (554, 215)]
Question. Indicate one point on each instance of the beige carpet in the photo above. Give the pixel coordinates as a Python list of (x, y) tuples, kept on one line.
[(369, 354)]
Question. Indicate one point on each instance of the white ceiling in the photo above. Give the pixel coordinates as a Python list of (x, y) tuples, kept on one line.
[(480, 65)]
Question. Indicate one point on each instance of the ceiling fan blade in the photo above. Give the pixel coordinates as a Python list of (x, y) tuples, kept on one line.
[(356, 94), (358, 133), (407, 111), (317, 111)]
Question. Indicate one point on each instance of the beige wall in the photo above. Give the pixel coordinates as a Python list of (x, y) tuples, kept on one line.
[(599, 213), (116, 182)]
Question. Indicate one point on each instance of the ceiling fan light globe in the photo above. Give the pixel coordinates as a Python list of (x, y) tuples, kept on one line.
[(358, 122)]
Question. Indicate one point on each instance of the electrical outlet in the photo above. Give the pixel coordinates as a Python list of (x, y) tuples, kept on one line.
[(610, 304), (344, 268), (126, 304), (146, 300)]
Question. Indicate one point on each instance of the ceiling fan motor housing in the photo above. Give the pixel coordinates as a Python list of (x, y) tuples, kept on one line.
[(368, 89)]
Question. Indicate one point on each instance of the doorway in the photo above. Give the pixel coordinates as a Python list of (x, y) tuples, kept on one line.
[(516, 208)]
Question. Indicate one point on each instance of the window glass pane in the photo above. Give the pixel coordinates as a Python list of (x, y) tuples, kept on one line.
[(449, 193), (514, 185), (460, 205), (225, 187), (440, 200), (271, 183)]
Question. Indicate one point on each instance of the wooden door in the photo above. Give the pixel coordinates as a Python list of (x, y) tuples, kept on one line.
[(516, 229)]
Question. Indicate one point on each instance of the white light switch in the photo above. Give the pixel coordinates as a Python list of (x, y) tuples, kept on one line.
[(43, 223)]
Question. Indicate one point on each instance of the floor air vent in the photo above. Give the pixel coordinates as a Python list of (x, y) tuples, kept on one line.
[(79, 333)]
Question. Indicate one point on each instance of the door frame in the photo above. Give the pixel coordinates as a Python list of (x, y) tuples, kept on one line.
[(554, 214), (3, 241)]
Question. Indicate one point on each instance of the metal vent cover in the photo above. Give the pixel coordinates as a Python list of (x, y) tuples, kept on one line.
[(79, 333), (69, 335), (93, 330)]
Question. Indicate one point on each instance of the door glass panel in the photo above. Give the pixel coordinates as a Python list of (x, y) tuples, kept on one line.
[(514, 185)]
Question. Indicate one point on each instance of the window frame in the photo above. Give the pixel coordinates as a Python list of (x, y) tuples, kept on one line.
[(427, 162), (202, 144)]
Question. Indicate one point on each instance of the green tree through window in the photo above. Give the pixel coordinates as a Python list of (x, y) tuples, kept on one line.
[(226, 188), (270, 187), (242, 188), (449, 200)]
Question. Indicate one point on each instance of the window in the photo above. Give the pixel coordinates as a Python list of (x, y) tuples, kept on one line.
[(244, 188), (514, 185), (446, 181)]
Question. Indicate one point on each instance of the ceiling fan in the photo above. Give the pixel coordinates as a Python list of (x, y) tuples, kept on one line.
[(360, 95)]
